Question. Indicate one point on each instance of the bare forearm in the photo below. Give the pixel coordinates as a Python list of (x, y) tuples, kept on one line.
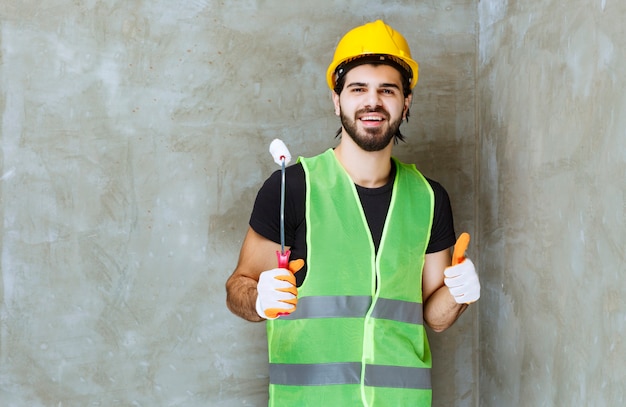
[(241, 297), (441, 310)]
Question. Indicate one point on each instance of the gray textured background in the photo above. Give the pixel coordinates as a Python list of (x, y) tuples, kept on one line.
[(552, 202), (134, 137)]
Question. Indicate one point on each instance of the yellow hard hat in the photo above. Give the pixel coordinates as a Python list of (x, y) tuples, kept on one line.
[(373, 39)]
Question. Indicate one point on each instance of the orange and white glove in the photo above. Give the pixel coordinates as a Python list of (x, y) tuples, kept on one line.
[(276, 291), (462, 281)]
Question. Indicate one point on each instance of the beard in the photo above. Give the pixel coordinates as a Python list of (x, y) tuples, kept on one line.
[(371, 139)]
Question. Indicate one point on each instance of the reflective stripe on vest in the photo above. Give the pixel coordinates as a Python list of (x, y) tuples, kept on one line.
[(315, 374), (357, 306), (350, 373)]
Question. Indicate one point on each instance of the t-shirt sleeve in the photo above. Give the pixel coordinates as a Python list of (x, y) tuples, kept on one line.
[(442, 234)]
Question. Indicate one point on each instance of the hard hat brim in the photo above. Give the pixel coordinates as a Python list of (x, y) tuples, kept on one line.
[(406, 70)]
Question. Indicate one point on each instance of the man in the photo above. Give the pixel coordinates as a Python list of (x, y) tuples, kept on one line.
[(348, 328)]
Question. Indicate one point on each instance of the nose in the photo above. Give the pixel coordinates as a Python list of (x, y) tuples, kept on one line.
[(372, 99)]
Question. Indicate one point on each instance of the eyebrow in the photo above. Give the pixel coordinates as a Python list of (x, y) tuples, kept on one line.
[(382, 85)]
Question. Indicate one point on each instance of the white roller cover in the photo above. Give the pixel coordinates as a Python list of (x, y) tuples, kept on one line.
[(278, 150)]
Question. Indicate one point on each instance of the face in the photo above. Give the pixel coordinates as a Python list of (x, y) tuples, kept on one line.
[(372, 105)]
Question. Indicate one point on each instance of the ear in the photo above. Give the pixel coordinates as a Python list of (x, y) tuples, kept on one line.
[(407, 105), (335, 97)]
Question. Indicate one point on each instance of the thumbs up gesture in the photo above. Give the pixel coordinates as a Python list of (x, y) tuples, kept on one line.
[(461, 278)]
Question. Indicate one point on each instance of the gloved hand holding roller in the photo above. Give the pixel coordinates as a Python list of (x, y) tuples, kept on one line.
[(277, 292), (461, 278)]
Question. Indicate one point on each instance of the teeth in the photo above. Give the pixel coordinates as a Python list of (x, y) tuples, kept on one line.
[(371, 118)]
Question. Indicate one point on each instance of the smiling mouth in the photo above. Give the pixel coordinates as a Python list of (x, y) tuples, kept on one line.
[(372, 116), (371, 119)]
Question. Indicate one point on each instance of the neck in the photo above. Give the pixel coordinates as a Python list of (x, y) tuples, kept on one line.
[(369, 169)]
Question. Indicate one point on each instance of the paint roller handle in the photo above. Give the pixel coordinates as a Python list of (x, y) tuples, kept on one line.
[(292, 265), (283, 258)]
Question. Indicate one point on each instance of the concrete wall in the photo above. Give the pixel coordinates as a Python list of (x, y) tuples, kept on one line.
[(552, 202), (134, 136)]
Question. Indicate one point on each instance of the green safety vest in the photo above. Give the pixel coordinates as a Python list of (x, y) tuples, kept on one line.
[(357, 337)]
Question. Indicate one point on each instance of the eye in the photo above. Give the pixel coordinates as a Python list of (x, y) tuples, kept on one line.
[(388, 91)]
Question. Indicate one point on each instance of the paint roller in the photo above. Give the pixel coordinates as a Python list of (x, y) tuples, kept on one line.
[(282, 157)]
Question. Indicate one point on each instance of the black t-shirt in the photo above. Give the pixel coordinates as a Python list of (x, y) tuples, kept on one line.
[(265, 218)]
